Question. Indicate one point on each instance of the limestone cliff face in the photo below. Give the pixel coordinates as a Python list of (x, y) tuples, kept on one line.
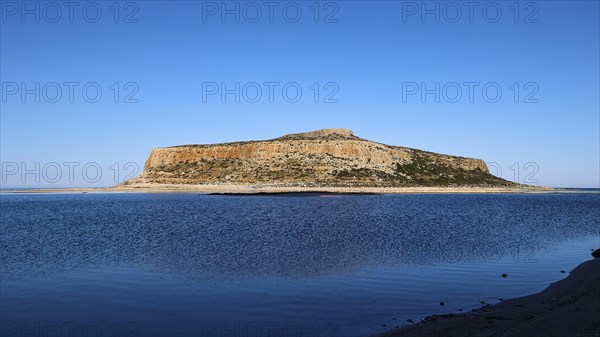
[(330, 157)]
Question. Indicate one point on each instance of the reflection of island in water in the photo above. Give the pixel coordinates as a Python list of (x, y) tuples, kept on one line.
[(215, 237)]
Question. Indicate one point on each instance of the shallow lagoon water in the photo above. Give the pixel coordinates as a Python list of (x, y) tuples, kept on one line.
[(197, 265)]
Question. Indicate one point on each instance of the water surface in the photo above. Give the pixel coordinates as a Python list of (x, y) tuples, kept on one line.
[(196, 265)]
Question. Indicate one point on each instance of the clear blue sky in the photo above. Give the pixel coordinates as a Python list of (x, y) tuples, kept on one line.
[(372, 51)]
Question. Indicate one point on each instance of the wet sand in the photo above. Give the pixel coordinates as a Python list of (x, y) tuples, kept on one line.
[(570, 307)]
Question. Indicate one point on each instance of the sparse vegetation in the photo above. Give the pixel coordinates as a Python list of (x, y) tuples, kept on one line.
[(318, 160)]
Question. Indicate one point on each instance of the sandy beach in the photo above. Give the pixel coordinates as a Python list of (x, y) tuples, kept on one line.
[(570, 307), (260, 189)]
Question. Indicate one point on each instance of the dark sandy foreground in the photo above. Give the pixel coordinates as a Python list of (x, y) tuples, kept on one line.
[(570, 307)]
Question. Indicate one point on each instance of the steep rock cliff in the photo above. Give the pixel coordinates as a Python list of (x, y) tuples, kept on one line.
[(329, 157)]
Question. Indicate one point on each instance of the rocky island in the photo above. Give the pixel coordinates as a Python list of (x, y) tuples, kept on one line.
[(328, 160)]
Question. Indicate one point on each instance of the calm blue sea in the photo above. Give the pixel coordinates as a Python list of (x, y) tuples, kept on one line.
[(311, 266)]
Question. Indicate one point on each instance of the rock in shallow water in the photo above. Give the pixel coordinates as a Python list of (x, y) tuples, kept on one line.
[(596, 254)]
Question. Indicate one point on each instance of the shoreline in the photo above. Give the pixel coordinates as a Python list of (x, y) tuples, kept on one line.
[(569, 307), (273, 190)]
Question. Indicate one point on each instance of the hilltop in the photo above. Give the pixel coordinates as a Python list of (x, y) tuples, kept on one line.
[(328, 158)]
